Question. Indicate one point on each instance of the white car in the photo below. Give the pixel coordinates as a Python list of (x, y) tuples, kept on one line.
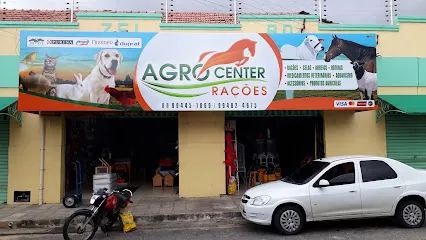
[(337, 188)]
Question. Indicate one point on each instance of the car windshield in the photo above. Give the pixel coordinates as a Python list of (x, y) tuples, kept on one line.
[(306, 173)]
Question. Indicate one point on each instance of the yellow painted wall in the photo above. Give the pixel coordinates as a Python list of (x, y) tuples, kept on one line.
[(132, 25), (24, 158), (402, 90), (350, 133), (262, 26), (201, 154), (10, 39), (54, 164), (9, 92), (408, 36)]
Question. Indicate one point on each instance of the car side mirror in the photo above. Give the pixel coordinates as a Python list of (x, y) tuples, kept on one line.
[(323, 183)]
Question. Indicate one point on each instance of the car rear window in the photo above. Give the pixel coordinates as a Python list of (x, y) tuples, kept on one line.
[(376, 170)]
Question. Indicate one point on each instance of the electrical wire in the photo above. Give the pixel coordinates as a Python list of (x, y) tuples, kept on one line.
[(263, 11), (303, 5), (212, 3), (356, 14), (260, 18)]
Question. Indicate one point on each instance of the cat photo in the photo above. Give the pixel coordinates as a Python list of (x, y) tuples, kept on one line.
[(49, 70)]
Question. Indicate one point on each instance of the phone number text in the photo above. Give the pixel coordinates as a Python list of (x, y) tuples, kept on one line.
[(209, 105)]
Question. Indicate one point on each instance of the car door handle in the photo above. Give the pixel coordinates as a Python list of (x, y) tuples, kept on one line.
[(352, 191), (396, 186)]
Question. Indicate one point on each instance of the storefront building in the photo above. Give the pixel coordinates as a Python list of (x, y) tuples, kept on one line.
[(37, 137)]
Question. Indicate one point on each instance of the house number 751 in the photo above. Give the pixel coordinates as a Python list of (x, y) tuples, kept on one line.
[(121, 27)]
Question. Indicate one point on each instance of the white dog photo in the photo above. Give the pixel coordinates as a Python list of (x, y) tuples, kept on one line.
[(307, 50), (108, 62)]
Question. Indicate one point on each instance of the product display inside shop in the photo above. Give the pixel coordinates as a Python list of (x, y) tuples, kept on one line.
[(140, 154), (260, 150)]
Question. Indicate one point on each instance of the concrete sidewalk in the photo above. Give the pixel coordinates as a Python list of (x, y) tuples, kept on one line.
[(149, 209)]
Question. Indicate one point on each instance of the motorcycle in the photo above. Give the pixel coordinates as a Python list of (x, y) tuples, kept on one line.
[(104, 213)]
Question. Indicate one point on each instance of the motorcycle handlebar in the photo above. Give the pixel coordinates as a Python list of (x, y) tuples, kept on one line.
[(117, 191)]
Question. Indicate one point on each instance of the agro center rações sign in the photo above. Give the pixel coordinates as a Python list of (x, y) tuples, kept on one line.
[(74, 71), (242, 71)]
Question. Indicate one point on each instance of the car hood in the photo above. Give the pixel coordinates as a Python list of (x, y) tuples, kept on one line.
[(271, 188)]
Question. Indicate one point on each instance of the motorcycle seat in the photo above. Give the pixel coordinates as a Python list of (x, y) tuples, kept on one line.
[(122, 198)]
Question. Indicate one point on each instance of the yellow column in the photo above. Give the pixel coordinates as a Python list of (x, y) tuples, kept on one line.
[(24, 157), (201, 154), (54, 160), (350, 133)]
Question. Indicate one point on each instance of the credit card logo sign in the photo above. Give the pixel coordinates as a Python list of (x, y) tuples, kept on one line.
[(353, 103), (361, 103)]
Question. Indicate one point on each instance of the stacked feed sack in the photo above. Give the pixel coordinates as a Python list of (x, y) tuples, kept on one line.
[(105, 180)]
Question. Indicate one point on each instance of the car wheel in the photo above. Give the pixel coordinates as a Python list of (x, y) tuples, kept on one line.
[(289, 220), (410, 214)]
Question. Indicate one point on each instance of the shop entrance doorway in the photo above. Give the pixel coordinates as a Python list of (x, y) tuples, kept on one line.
[(135, 150), (269, 148)]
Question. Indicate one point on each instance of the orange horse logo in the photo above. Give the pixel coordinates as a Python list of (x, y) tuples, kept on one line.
[(235, 54)]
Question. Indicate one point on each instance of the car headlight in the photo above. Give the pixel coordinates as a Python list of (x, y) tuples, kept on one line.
[(261, 200)]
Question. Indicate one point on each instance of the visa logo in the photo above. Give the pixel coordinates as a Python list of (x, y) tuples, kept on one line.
[(341, 104)]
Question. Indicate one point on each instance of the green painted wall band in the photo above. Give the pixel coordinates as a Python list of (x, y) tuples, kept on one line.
[(55, 25), (9, 67), (358, 27), (401, 72)]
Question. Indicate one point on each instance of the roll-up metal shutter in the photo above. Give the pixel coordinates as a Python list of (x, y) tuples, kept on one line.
[(406, 139), (4, 157)]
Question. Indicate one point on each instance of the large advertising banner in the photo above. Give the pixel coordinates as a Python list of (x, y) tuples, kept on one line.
[(101, 71)]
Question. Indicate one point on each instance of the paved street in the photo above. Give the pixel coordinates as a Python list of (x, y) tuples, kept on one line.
[(237, 230)]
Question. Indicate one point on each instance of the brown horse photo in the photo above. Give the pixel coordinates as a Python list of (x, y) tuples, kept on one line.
[(354, 51)]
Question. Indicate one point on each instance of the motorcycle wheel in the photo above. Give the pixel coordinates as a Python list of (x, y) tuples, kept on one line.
[(78, 228)]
